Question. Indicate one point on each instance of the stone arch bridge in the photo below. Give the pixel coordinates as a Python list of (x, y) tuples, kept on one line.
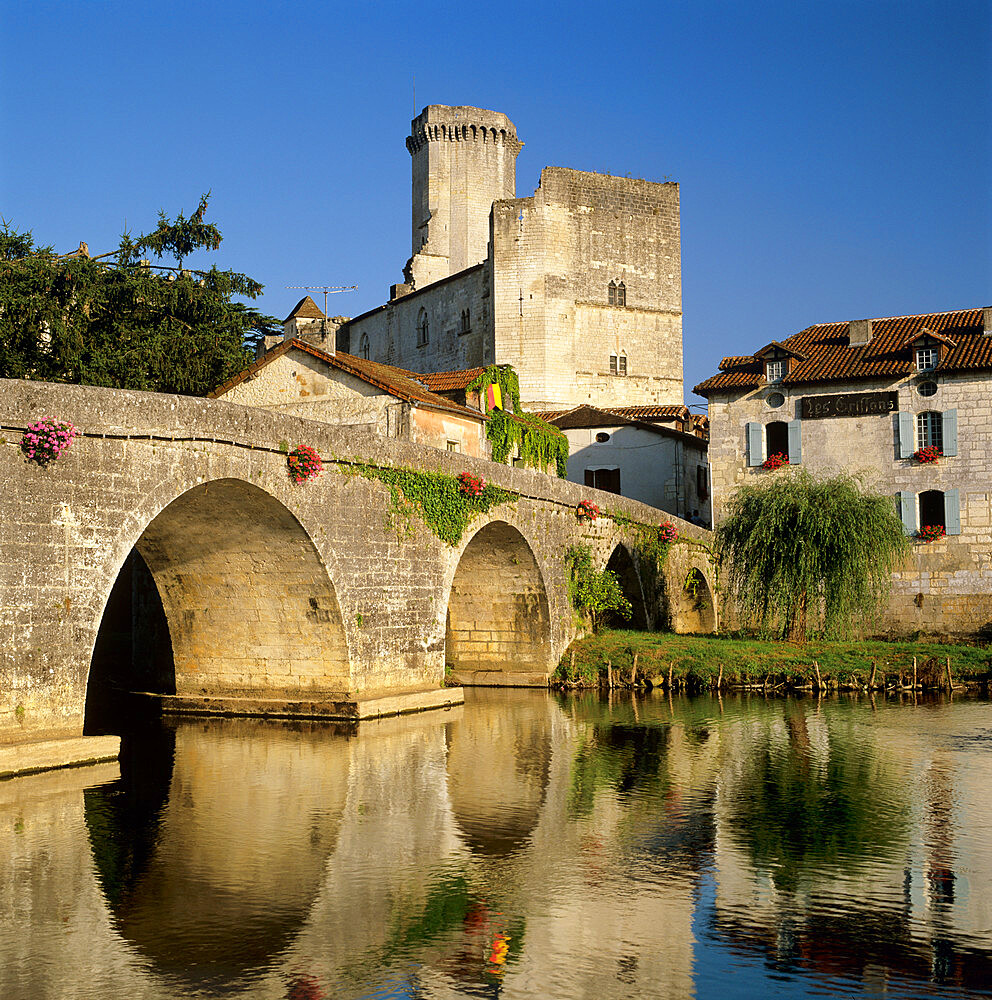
[(254, 592)]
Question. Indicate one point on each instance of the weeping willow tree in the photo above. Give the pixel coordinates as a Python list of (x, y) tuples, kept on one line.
[(805, 554)]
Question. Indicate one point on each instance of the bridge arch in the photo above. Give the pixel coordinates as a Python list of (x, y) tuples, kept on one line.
[(249, 605), (498, 622), (621, 564)]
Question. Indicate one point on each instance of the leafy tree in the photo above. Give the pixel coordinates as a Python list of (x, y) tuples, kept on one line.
[(121, 322), (804, 552), (594, 592)]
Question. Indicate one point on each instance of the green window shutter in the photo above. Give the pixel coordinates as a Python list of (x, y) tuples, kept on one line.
[(907, 511), (907, 435), (949, 420), (754, 456), (952, 512), (795, 442)]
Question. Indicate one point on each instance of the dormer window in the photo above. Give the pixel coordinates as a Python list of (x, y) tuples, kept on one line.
[(775, 370), (926, 358)]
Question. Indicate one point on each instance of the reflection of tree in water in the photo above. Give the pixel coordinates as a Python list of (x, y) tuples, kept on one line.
[(625, 758), (796, 814), (473, 938)]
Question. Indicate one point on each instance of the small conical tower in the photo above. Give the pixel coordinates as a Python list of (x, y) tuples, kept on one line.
[(464, 159)]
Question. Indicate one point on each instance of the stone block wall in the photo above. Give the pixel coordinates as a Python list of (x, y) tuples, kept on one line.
[(392, 328), (944, 587), (269, 587), (554, 255)]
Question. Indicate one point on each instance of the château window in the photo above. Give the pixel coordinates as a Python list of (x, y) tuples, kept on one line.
[(611, 293), (930, 429), (616, 293), (466, 322), (618, 364), (776, 438), (363, 349), (423, 329), (775, 371), (926, 358), (932, 509)]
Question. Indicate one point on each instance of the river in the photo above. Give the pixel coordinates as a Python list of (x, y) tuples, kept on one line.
[(522, 845)]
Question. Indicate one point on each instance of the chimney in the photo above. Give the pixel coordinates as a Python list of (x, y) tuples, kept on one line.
[(987, 324), (859, 332)]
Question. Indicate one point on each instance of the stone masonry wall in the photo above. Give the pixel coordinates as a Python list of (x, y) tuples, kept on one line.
[(392, 328), (163, 473), (943, 587), (554, 255)]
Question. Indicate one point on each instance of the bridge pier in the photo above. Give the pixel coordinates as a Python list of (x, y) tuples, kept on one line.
[(264, 594)]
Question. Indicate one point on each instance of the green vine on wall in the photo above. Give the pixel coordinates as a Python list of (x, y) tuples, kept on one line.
[(540, 444), (434, 498), (592, 591)]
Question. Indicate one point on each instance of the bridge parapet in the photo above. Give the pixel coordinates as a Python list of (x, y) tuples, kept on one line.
[(310, 591)]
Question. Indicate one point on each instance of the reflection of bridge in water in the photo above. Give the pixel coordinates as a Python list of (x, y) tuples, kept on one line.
[(168, 551), (258, 853)]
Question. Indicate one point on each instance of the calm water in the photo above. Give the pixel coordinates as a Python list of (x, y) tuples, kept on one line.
[(524, 845)]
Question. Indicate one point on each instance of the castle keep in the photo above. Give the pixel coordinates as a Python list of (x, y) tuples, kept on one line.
[(578, 286)]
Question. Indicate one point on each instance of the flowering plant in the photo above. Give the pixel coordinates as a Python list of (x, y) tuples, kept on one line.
[(931, 533), (667, 532), (928, 455), (304, 463), (469, 485), (44, 441), (775, 461), (587, 510)]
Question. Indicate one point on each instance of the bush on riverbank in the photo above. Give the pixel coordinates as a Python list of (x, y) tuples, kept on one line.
[(702, 662)]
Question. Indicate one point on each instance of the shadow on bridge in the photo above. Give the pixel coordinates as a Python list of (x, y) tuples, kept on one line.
[(498, 629), (223, 594)]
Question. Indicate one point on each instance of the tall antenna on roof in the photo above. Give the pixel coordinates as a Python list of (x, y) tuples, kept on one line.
[(327, 290)]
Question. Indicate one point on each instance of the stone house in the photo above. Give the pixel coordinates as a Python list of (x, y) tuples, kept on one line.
[(869, 396), (578, 286), (296, 377), (661, 463)]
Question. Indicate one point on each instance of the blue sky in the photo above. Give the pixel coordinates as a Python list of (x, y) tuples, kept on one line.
[(834, 158)]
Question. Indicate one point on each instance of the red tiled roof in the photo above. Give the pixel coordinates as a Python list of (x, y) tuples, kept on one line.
[(829, 357), (395, 381), (306, 308), (649, 413), (450, 381), (592, 416)]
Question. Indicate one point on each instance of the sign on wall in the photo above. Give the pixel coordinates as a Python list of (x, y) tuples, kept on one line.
[(848, 404)]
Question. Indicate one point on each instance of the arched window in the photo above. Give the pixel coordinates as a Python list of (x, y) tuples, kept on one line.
[(423, 331), (363, 349), (776, 438), (611, 293), (621, 294), (466, 325), (930, 429)]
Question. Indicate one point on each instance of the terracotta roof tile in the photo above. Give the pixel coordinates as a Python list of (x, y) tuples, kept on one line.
[(450, 381), (395, 381), (829, 357)]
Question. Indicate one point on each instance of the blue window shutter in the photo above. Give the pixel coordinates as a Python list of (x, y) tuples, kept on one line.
[(952, 512), (754, 456), (907, 511), (795, 442), (907, 436), (950, 429)]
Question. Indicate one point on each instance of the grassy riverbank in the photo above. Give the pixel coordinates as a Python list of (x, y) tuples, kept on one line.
[(702, 662)]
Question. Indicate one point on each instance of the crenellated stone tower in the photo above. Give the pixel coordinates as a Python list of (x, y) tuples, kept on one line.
[(464, 159)]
